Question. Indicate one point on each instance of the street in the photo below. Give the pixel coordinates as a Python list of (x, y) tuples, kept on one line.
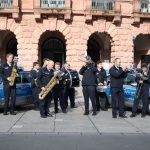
[(73, 130)]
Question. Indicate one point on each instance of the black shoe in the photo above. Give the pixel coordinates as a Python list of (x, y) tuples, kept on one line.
[(123, 116), (74, 106), (114, 116), (143, 115), (49, 115), (13, 113), (97, 109), (64, 111), (133, 115), (104, 109), (5, 113), (56, 111), (148, 113), (43, 116), (94, 114), (86, 113)]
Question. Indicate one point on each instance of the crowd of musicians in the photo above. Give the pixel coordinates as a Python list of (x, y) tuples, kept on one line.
[(93, 75)]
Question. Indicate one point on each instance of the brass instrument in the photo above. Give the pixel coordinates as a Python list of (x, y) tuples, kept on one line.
[(45, 61), (87, 59), (13, 74), (49, 86)]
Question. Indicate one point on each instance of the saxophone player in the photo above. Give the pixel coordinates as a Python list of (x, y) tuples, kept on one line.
[(9, 90), (44, 76), (143, 81)]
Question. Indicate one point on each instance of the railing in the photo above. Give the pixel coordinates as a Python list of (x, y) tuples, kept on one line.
[(103, 4), (145, 6), (52, 4), (6, 3)]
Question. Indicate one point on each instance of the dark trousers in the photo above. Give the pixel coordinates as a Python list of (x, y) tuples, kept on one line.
[(89, 92), (35, 94), (58, 95), (69, 93), (45, 104), (9, 94), (142, 95), (117, 97), (101, 100)]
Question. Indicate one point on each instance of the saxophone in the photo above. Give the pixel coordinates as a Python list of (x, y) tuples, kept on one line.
[(13, 75), (48, 87)]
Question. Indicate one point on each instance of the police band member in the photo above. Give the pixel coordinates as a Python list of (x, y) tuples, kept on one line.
[(88, 72), (117, 75), (101, 97), (69, 92), (35, 89), (58, 92), (44, 76), (143, 84), (9, 91)]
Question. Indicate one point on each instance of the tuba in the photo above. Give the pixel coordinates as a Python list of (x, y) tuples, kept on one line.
[(49, 86), (13, 73)]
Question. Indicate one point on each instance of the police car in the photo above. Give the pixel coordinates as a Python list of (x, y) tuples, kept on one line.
[(129, 90), (23, 89)]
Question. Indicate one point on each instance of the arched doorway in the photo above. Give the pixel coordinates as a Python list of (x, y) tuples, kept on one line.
[(142, 49), (8, 43), (12, 46), (93, 49), (99, 48), (52, 46)]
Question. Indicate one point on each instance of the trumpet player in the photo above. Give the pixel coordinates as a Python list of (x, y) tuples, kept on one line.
[(9, 90), (143, 84), (35, 89), (89, 82), (44, 76), (117, 75)]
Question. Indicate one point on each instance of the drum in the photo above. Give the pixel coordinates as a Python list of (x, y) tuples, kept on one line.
[(101, 88), (72, 79)]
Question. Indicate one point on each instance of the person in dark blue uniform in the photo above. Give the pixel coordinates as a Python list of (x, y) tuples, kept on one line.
[(101, 97), (89, 83), (35, 89), (143, 84), (117, 75), (44, 76), (58, 92), (9, 91), (69, 92)]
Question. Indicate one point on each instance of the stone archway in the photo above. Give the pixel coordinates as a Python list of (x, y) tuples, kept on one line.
[(99, 47), (142, 49), (52, 45), (8, 43)]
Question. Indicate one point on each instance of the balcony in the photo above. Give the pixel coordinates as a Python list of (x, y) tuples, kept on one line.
[(145, 6), (6, 3), (9, 7), (54, 7), (110, 8), (53, 4), (141, 10), (103, 5)]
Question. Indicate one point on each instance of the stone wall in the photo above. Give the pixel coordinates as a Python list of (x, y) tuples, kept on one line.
[(76, 32)]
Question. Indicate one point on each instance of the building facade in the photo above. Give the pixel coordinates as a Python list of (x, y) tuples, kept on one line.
[(64, 30)]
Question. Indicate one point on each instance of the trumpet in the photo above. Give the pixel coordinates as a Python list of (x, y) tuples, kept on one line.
[(87, 59)]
